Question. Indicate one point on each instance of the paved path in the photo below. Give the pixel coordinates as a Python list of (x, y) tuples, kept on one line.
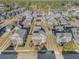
[(27, 55)]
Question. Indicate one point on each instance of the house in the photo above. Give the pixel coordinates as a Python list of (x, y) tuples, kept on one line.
[(9, 28), (2, 17), (73, 11), (19, 37), (26, 23), (28, 19), (75, 32), (39, 37), (5, 28), (50, 17), (38, 14), (59, 28), (37, 27), (2, 30), (3, 7), (62, 21), (63, 37)]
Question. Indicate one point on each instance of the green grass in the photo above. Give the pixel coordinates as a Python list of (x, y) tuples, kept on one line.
[(42, 4), (68, 47)]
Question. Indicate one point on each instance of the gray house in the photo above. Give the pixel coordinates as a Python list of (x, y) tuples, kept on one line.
[(75, 32), (19, 37), (63, 37), (39, 37)]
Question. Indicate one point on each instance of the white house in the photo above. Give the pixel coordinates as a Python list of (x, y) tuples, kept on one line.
[(63, 37)]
